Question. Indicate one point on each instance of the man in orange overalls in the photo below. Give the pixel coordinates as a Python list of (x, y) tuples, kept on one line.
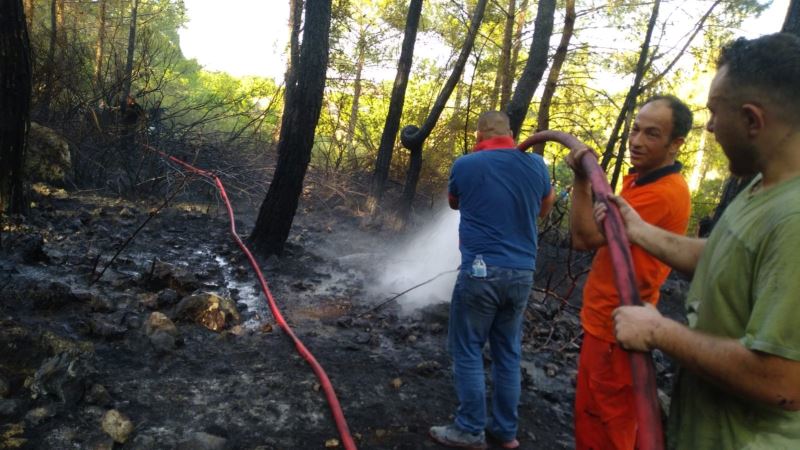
[(604, 407)]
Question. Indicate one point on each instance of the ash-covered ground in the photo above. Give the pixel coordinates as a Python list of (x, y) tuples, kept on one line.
[(173, 347)]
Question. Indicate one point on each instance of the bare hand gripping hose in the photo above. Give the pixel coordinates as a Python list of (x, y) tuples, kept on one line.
[(325, 383), (649, 435)]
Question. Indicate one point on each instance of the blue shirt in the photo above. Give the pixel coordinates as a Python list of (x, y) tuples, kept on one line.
[(500, 194)]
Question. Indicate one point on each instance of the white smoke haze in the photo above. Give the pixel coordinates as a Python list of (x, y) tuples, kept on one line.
[(429, 252)]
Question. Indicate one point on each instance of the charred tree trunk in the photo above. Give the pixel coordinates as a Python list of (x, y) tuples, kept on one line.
[(100, 44), (50, 74), (623, 145), (504, 65), (733, 186), (351, 122), (28, 4), (295, 22), (15, 102), (477, 55), (459, 119), (792, 22), (505, 89), (633, 92), (128, 75), (534, 68), (129, 116), (299, 121), (392, 124), (413, 137), (543, 117)]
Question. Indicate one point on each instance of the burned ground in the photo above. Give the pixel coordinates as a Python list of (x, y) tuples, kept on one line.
[(72, 350)]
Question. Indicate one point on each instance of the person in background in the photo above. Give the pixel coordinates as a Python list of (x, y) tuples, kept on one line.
[(738, 386), (500, 192), (605, 415), (134, 114)]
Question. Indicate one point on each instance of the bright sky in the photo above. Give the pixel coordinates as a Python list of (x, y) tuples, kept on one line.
[(770, 20), (248, 37), (241, 37)]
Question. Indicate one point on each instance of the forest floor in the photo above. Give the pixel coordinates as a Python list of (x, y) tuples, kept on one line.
[(72, 350)]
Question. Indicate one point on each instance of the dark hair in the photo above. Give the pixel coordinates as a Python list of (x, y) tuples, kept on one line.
[(681, 114), (769, 65)]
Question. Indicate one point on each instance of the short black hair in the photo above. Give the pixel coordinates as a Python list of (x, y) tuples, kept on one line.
[(681, 114), (770, 65)]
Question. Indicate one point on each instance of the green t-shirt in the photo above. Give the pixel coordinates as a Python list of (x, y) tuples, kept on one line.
[(747, 287)]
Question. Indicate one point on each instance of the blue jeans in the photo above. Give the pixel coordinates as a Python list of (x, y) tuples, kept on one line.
[(492, 309)]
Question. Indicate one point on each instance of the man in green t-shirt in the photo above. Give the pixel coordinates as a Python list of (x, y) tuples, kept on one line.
[(739, 382)]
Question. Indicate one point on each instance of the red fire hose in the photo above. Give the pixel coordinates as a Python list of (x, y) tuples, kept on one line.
[(327, 387), (649, 435)]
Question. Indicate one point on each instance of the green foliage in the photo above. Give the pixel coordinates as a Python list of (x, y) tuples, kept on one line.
[(591, 86), (162, 77), (704, 201)]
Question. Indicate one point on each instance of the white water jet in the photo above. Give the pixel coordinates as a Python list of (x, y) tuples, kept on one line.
[(430, 252)]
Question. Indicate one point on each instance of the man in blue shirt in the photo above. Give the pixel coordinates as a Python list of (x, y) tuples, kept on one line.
[(500, 191)]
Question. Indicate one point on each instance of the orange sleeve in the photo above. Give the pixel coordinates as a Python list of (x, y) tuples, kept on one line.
[(666, 205)]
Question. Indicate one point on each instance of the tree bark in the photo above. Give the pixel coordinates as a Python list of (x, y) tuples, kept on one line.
[(413, 137), (468, 109), (633, 92), (459, 119), (733, 186), (535, 67), (392, 124), (504, 65), (128, 75), (353, 119), (792, 22), (623, 146), (28, 4), (505, 89), (15, 102), (49, 77), (543, 117), (295, 23), (298, 124), (54, 15), (99, 45)]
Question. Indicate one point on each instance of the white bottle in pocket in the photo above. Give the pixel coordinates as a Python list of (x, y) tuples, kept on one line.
[(478, 267)]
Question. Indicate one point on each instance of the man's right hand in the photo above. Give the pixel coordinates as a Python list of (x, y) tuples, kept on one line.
[(634, 225), (573, 160)]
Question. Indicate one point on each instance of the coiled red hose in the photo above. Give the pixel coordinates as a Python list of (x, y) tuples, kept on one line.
[(649, 435), (327, 387)]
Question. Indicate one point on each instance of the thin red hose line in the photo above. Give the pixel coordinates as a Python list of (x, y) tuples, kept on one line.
[(327, 387), (649, 434)]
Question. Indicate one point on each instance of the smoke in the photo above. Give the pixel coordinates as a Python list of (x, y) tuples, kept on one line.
[(428, 253)]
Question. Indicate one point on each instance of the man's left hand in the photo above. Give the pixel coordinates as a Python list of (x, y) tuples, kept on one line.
[(635, 326)]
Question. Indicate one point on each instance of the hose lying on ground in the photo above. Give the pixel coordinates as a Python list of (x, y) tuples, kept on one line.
[(325, 383)]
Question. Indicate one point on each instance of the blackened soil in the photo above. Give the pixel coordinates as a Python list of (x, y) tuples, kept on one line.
[(70, 349)]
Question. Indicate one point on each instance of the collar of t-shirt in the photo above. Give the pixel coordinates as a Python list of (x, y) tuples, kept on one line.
[(656, 174), (495, 143)]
